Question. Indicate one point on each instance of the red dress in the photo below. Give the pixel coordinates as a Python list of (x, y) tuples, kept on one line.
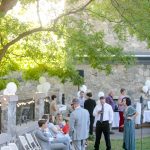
[(121, 109), (66, 128)]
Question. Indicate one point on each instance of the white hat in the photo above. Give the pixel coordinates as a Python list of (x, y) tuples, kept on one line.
[(100, 94)]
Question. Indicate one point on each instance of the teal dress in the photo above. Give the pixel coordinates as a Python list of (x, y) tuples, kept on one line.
[(129, 129)]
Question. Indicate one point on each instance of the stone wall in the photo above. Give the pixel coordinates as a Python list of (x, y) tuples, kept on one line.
[(131, 79)]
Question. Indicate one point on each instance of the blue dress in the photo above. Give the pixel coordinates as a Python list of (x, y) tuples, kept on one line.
[(129, 129)]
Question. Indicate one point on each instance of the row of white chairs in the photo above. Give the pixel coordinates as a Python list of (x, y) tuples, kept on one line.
[(28, 142)]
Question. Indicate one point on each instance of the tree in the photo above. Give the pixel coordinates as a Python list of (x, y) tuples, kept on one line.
[(69, 38)]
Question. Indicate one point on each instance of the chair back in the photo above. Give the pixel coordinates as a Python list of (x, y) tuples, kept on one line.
[(13, 146), (24, 143), (32, 142), (36, 141)]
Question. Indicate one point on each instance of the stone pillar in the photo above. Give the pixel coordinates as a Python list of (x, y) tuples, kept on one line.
[(39, 105), (59, 96), (8, 116)]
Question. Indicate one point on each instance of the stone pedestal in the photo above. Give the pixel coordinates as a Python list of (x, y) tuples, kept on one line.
[(39, 105), (8, 116)]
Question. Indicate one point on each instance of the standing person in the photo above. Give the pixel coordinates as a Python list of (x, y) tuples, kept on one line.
[(110, 101), (104, 116), (53, 106), (82, 99), (121, 109), (90, 104), (79, 125), (129, 125)]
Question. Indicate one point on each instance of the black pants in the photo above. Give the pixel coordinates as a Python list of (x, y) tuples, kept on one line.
[(102, 127), (91, 124)]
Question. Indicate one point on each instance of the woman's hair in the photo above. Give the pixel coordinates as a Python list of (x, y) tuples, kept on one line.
[(89, 94), (51, 118), (41, 122), (128, 101), (53, 97), (122, 90)]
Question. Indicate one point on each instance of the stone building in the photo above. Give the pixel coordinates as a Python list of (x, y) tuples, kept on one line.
[(132, 79)]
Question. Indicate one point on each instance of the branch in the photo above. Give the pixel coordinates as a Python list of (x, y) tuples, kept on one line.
[(38, 13), (6, 5), (72, 12), (21, 36), (1, 40), (23, 56), (103, 16), (127, 21), (39, 29)]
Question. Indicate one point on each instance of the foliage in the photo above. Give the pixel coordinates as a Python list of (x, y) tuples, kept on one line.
[(126, 16), (57, 47), (3, 82)]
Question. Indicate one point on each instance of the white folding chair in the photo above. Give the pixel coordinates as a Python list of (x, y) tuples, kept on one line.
[(36, 141), (5, 148), (13, 146), (24, 143), (32, 142)]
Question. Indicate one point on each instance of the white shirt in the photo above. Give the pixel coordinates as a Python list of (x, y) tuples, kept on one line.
[(108, 112), (81, 100)]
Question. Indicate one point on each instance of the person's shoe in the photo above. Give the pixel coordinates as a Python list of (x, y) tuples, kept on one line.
[(111, 132), (86, 144)]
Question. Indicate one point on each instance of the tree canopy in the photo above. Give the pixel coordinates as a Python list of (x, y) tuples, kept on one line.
[(68, 37)]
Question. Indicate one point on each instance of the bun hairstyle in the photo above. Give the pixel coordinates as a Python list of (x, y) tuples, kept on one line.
[(89, 94)]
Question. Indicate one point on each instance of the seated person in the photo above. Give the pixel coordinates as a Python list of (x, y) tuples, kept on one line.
[(59, 136), (66, 127), (44, 140), (59, 120)]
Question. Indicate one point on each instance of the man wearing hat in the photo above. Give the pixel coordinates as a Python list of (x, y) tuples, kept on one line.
[(103, 116), (79, 125)]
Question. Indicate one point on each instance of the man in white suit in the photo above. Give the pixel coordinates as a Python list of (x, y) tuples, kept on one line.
[(79, 125)]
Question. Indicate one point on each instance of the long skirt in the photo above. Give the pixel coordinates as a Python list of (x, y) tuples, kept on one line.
[(129, 135), (121, 121)]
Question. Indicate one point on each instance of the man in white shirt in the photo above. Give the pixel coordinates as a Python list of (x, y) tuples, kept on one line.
[(103, 113), (82, 99)]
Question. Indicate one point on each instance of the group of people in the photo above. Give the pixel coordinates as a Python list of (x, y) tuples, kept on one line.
[(53, 130), (86, 115), (101, 117)]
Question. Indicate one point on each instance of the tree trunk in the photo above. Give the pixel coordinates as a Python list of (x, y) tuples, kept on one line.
[(6, 5)]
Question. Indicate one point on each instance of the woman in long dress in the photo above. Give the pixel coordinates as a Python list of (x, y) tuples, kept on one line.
[(129, 125), (121, 109)]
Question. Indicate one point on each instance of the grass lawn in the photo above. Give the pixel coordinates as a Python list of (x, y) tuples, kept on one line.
[(117, 144)]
